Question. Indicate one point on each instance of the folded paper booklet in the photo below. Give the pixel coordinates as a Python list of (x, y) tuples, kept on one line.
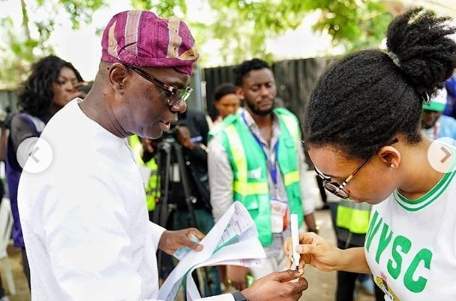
[(232, 241)]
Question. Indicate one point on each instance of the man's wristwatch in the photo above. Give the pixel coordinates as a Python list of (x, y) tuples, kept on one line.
[(238, 296)]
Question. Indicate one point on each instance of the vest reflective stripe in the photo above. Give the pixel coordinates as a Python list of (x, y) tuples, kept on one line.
[(237, 151), (136, 148), (245, 188), (353, 216), (250, 173), (291, 178), (152, 191)]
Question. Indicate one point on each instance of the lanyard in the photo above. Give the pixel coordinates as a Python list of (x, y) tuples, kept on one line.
[(272, 166)]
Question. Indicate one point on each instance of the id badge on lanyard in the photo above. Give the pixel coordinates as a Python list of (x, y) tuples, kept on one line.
[(279, 209), (279, 216)]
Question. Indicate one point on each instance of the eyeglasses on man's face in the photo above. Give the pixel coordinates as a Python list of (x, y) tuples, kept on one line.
[(174, 95)]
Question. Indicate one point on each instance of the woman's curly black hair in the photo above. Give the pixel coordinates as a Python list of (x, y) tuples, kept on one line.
[(35, 97), (368, 97)]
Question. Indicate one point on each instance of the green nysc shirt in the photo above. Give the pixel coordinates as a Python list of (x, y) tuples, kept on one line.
[(411, 245)]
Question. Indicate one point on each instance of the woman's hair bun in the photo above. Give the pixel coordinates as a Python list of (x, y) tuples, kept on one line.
[(419, 43)]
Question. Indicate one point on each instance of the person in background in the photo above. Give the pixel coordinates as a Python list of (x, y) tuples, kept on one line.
[(52, 83), (256, 158), (226, 101), (434, 124), (3, 143), (192, 133), (450, 108)]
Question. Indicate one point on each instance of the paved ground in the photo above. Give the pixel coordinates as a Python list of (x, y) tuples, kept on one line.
[(321, 285)]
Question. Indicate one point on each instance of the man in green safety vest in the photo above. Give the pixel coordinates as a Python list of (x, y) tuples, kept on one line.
[(144, 156), (256, 158)]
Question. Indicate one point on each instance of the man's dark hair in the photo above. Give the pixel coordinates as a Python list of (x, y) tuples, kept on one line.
[(224, 89), (368, 97), (245, 67), (36, 94)]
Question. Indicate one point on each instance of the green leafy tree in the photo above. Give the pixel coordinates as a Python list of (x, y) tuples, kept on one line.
[(26, 43), (244, 26), (166, 8), (241, 27), (356, 24)]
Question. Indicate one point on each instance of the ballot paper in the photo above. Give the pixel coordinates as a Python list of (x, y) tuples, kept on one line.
[(232, 241)]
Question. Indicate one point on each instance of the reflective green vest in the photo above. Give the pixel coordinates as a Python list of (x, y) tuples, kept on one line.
[(152, 191), (250, 173), (353, 216)]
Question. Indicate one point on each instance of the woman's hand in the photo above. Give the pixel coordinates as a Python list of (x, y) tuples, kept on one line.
[(325, 256), (315, 251)]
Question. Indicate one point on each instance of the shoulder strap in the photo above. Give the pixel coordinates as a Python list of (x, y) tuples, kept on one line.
[(34, 122)]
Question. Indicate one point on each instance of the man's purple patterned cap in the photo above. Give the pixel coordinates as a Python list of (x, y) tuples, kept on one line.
[(142, 39)]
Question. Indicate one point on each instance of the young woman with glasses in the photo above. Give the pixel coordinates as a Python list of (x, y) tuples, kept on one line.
[(362, 134)]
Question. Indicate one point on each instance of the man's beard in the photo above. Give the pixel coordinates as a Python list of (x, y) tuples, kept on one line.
[(254, 109)]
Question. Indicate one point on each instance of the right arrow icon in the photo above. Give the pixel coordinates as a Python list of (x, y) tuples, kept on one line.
[(441, 155), (447, 154)]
